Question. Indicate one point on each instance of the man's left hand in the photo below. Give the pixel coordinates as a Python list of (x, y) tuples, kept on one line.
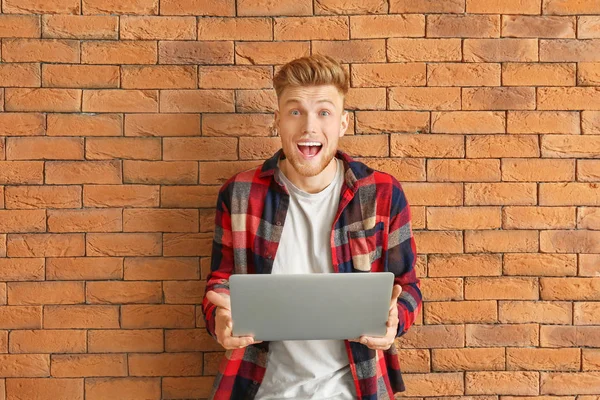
[(385, 342)]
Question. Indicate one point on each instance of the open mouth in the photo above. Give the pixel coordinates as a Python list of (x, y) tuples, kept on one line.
[(309, 149)]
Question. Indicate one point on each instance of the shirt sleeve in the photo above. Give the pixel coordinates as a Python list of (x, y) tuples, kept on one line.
[(401, 259), (221, 261)]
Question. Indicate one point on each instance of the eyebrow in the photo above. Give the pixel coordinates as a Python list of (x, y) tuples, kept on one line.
[(318, 101)]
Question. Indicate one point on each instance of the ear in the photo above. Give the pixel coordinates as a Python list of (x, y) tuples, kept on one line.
[(275, 124), (344, 123)]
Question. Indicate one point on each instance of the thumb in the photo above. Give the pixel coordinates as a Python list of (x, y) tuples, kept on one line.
[(219, 300), (396, 291)]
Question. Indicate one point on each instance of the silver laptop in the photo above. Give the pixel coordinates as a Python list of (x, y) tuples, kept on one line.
[(310, 306)]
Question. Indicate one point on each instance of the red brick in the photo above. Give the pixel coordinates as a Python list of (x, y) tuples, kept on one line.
[(501, 146), (468, 122), (588, 74), (187, 244), (538, 218), (586, 313), (398, 74), (406, 50), (189, 196), (45, 245), (123, 292), (427, 6), (529, 74), (386, 26), (50, 100), (411, 360), (543, 312), (20, 75), (441, 384), (124, 148), (588, 27), (419, 145), (391, 121), (121, 196), (256, 148), (222, 125), (570, 146), (178, 340), (177, 388), (500, 50), (502, 382), (195, 101), (520, 335), (163, 269), (157, 28), (267, 53), (458, 170), (40, 50), (463, 74), (568, 7), (37, 7), (311, 28), (40, 293), (163, 220), (24, 365), (352, 51), (479, 359), (579, 98), (403, 169), (589, 264), (157, 316), (366, 99), (447, 218), (538, 26), (3, 245), (22, 124), (35, 197), (190, 52), (442, 289), (87, 220), (365, 145), (424, 98), (12, 221), (84, 365), (246, 29), (78, 172), (44, 388), (284, 7), (433, 336), (464, 265), (217, 173), (584, 241), (116, 52), (429, 194), (537, 170), (80, 27), (84, 268), (200, 148), (116, 7), (235, 77), (569, 336), (159, 77), (248, 101), (572, 193), (197, 7), (130, 388), (162, 125), (504, 7), (501, 193), (160, 172), (22, 269), (503, 288), (120, 101), (351, 7), (557, 122), (513, 241), (460, 312), (563, 383), (180, 292), (502, 98), (588, 218), (85, 125), (478, 26), (38, 148), (570, 288), (81, 317), (565, 50), (20, 317), (123, 244), (540, 264), (80, 76)]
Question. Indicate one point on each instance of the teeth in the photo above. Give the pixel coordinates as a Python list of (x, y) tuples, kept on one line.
[(309, 144)]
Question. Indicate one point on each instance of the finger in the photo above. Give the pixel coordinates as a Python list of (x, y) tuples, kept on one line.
[(237, 342), (396, 291), (376, 343), (219, 300)]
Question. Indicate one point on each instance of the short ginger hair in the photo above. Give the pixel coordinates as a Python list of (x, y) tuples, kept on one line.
[(311, 71)]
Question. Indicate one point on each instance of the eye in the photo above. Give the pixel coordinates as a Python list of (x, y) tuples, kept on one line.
[(294, 112), (325, 113)]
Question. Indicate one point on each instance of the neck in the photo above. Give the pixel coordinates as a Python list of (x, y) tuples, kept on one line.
[(310, 184)]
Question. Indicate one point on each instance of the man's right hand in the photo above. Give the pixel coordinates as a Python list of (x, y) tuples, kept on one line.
[(224, 324)]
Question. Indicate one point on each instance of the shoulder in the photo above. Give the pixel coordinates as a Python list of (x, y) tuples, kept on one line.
[(240, 184)]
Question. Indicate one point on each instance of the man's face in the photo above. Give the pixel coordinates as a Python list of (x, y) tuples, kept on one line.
[(310, 121)]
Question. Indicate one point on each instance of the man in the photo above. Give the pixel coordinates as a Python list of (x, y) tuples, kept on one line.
[(311, 209)]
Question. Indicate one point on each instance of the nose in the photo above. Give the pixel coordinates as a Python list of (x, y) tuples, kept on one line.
[(310, 123)]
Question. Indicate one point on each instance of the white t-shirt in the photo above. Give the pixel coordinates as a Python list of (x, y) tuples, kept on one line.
[(308, 369)]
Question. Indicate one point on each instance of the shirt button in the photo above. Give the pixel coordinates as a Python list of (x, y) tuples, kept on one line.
[(278, 223)]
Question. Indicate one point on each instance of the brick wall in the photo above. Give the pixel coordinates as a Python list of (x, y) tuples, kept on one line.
[(122, 118)]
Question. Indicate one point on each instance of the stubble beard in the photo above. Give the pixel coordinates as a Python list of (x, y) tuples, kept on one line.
[(307, 168)]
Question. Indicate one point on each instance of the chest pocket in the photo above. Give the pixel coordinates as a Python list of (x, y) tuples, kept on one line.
[(366, 247)]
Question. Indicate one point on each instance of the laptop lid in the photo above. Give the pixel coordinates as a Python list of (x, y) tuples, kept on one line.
[(310, 306)]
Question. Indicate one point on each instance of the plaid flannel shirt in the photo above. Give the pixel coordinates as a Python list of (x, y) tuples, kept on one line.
[(371, 232)]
